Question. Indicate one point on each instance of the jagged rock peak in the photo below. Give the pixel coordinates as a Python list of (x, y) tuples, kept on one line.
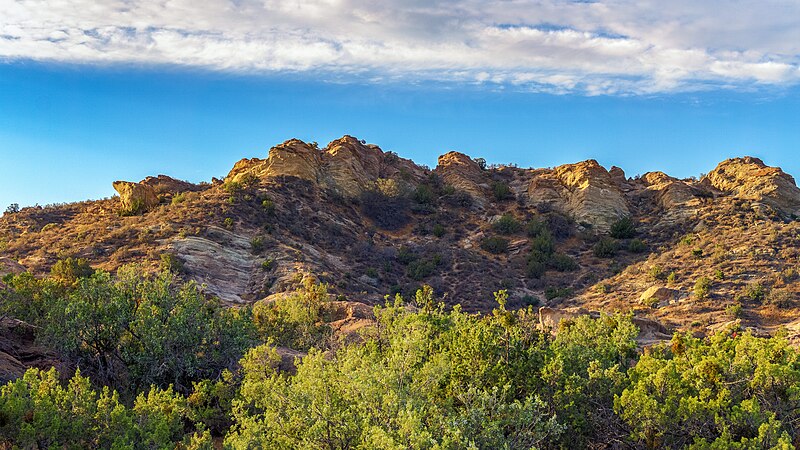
[(347, 165), (748, 178)]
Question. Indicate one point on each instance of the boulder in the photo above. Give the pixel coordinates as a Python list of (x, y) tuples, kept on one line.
[(662, 294), (136, 198), (749, 178)]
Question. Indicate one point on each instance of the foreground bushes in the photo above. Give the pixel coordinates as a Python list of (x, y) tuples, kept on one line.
[(424, 377)]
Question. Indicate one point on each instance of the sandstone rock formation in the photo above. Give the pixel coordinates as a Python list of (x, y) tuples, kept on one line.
[(136, 197), (670, 192), (749, 178), (663, 294), (463, 173), (346, 165), (585, 191), (220, 260)]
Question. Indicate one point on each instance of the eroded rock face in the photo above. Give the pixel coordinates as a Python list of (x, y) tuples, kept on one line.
[(670, 192), (585, 191), (749, 178), (136, 197), (346, 165), (220, 260), (463, 173)]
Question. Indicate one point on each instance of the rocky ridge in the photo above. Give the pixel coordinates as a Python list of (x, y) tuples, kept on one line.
[(308, 211)]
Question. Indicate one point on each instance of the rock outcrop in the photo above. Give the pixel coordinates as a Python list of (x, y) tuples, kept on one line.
[(670, 192), (346, 165), (165, 185), (585, 191), (662, 294), (136, 197), (749, 178), (463, 173)]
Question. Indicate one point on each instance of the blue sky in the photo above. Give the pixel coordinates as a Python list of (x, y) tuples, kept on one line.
[(93, 92)]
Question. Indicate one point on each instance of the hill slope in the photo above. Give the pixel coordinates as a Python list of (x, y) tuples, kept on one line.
[(370, 223)]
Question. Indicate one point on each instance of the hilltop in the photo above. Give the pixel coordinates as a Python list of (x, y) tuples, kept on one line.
[(691, 253)]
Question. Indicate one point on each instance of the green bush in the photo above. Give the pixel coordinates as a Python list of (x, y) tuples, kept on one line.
[(501, 191), (70, 270), (507, 224), (702, 287), (257, 245), (637, 246), (495, 244), (605, 248), (296, 320), (624, 228), (713, 393), (171, 263), (38, 411), (562, 262), (439, 230), (424, 195)]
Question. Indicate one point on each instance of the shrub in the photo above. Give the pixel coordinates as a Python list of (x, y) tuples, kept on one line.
[(696, 393), (495, 244), (387, 212), (423, 194), (562, 262), (257, 245), (655, 272), (268, 205), (228, 223), (70, 270), (637, 246), (734, 311), (501, 191), (560, 226), (605, 248), (178, 198), (171, 263), (697, 253), (624, 228), (422, 268), (296, 320), (552, 292), (672, 277), (719, 275), (782, 298), (756, 292), (535, 227), (12, 208), (268, 264), (439, 230), (535, 268), (702, 288), (506, 224), (651, 302)]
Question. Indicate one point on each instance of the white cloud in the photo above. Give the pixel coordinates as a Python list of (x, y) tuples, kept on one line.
[(601, 47)]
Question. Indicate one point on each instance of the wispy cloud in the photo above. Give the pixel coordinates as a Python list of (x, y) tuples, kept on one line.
[(600, 47)]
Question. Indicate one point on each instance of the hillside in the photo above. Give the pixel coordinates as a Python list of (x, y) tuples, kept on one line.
[(370, 223)]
